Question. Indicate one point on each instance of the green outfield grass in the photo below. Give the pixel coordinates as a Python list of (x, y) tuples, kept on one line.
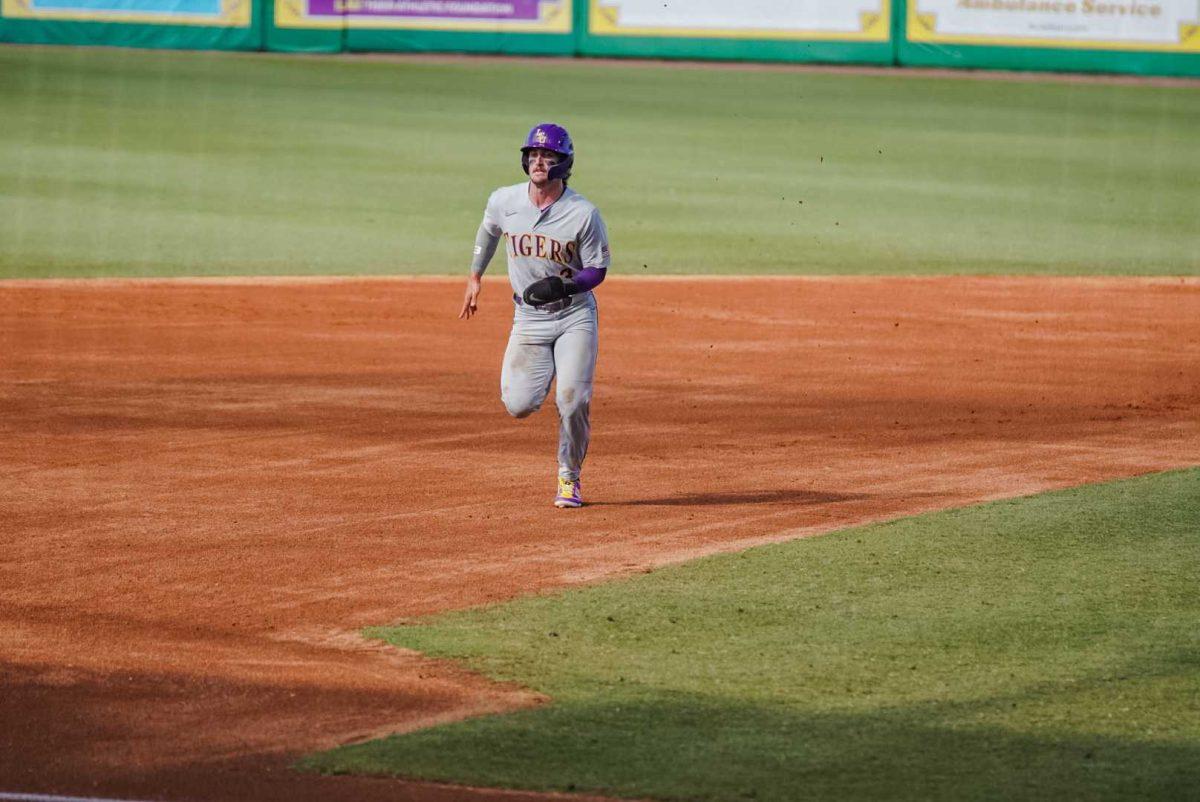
[(1040, 648), (120, 162)]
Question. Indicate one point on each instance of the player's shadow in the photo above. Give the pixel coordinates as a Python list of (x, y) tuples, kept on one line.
[(791, 498)]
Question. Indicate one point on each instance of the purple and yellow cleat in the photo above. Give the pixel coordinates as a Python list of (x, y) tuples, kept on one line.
[(569, 494)]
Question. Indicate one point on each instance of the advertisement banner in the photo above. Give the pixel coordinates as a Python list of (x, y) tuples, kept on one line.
[(218, 13), (494, 16), (1143, 25), (843, 20)]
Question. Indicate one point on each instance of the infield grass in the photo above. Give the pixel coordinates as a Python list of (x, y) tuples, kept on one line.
[(137, 163), (1039, 648)]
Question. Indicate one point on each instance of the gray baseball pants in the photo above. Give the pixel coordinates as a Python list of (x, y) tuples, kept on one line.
[(544, 345)]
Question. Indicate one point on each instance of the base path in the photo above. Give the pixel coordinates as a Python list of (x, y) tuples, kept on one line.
[(208, 487)]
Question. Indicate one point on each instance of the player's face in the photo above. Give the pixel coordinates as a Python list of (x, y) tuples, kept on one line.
[(540, 162)]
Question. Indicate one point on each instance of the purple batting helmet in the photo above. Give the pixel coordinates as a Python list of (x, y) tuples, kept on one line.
[(550, 136)]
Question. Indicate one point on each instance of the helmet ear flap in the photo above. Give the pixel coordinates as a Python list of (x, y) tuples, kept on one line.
[(563, 169)]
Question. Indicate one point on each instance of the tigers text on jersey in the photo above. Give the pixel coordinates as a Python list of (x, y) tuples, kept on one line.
[(560, 240)]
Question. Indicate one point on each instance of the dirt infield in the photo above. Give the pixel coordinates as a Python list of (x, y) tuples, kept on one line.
[(208, 487)]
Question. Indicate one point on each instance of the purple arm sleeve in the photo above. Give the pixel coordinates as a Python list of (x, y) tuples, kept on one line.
[(589, 278)]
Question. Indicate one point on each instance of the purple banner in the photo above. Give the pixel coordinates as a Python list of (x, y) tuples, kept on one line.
[(457, 9)]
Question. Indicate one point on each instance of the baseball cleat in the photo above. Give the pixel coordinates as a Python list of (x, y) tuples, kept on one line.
[(568, 494)]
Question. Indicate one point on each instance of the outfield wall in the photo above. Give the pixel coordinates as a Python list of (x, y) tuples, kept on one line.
[(1145, 37)]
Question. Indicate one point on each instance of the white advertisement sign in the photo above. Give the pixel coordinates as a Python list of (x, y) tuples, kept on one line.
[(1171, 25), (852, 20)]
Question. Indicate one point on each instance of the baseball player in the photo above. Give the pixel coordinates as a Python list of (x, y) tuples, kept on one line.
[(557, 248)]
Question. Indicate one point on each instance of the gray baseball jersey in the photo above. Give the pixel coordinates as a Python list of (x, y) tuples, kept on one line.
[(559, 241), (543, 346)]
